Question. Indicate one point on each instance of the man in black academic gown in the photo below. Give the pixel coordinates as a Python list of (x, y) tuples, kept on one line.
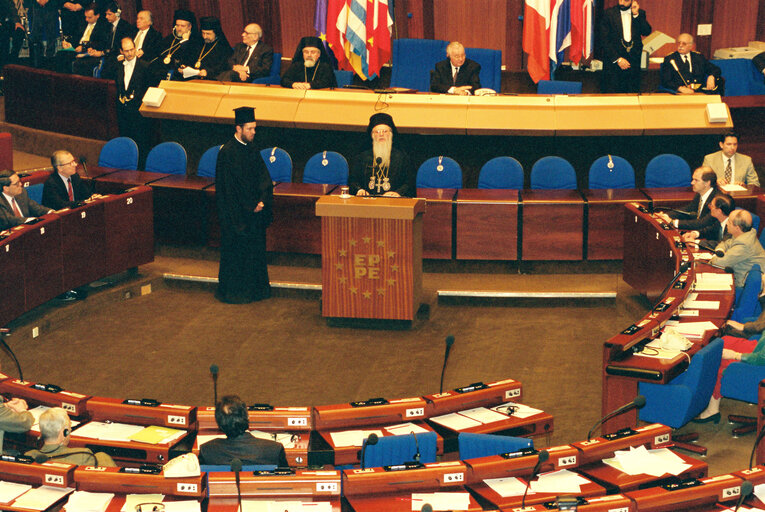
[(310, 68), (179, 47), (212, 56), (382, 170), (244, 194)]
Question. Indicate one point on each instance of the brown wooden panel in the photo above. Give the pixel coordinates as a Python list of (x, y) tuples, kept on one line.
[(265, 13), (455, 20), (512, 53), (553, 222), (162, 12), (734, 23), (437, 223), (605, 228), (296, 24), (696, 12), (665, 17), (487, 224)]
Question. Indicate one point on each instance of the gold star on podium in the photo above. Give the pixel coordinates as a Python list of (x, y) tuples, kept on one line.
[(381, 291), (391, 254), (339, 266), (367, 295), (392, 282), (366, 239), (353, 289), (394, 268), (380, 243), (342, 252), (352, 242)]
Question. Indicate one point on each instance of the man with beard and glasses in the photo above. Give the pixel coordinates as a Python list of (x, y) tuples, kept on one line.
[(382, 170), (310, 68), (212, 56)]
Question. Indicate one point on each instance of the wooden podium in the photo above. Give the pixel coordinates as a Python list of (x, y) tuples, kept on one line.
[(371, 256)]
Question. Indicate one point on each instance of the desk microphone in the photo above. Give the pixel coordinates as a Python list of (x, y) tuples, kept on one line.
[(369, 441), (417, 455), (674, 210), (236, 467), (729, 270), (684, 265), (637, 403), (746, 489), (756, 443), (84, 162), (214, 373), (449, 343), (3, 333), (541, 459), (427, 508)]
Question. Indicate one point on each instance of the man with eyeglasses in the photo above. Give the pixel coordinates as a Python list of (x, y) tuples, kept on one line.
[(688, 72), (64, 188), (382, 170), (16, 207), (252, 58)]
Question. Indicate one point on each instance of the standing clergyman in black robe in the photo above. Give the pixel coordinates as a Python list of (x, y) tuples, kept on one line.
[(244, 194)]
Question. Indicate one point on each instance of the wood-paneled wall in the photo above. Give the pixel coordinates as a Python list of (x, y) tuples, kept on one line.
[(493, 24)]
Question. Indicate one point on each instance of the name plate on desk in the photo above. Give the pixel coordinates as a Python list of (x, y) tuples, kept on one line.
[(520, 463), (343, 416), (166, 415)]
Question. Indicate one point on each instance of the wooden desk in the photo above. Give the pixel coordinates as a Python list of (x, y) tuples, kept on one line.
[(615, 502), (498, 466), (487, 224), (116, 480), (296, 228), (12, 277), (398, 502), (33, 178), (190, 101), (671, 197), (725, 488), (354, 415), (180, 208), (277, 106), (43, 264), (605, 227), (130, 233), (72, 403), (585, 114), (490, 495), (663, 114), (437, 222), (83, 244), (511, 115), (129, 452), (119, 181), (553, 222)]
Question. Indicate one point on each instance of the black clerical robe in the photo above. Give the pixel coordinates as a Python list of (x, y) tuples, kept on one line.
[(321, 76), (365, 175), (212, 57), (241, 182)]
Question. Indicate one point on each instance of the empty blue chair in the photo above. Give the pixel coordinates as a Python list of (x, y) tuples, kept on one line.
[(119, 153), (326, 167), (429, 176), (274, 74), (35, 192), (472, 446), (279, 164), (491, 66), (501, 172), (413, 60), (747, 306), (343, 77), (559, 87), (674, 404), (215, 468), (667, 170), (391, 450), (206, 166), (553, 173), (167, 157), (620, 174)]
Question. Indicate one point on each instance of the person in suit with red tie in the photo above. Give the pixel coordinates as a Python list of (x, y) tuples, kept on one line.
[(621, 32), (252, 58), (688, 72), (64, 188), (456, 74), (133, 79), (16, 207)]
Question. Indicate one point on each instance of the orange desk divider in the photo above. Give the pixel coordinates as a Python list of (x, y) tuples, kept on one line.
[(497, 466), (301, 484), (72, 403), (55, 474), (598, 448), (341, 416), (711, 490), (613, 503), (432, 477), (164, 415), (115, 480), (488, 395), (292, 419)]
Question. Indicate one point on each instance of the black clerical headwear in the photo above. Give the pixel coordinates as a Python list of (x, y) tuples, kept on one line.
[(243, 115), (381, 118)]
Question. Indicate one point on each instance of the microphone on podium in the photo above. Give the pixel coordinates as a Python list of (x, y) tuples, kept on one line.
[(541, 459), (236, 467), (746, 489), (84, 162), (756, 443), (370, 441), (427, 508), (3, 333), (449, 343), (214, 373), (637, 403)]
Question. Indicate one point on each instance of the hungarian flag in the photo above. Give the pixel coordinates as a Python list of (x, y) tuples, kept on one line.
[(536, 39)]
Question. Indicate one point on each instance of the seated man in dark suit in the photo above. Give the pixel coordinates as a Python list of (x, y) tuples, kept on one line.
[(55, 429), (120, 29), (697, 216), (64, 188), (231, 417), (16, 207), (89, 46), (456, 74), (310, 68), (251, 59), (147, 39), (688, 72), (719, 208)]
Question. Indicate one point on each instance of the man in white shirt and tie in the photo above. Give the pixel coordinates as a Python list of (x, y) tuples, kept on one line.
[(252, 58), (16, 207), (132, 79), (730, 166), (689, 72), (456, 74)]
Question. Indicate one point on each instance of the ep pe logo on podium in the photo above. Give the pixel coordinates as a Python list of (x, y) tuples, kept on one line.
[(366, 265)]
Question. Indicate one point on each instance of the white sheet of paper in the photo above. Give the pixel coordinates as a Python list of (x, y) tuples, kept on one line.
[(131, 500), (441, 500), (561, 481), (108, 431), (455, 421), (405, 429), (732, 187), (352, 437), (188, 71), (41, 498), (483, 415), (506, 487), (9, 491), (84, 501), (702, 304)]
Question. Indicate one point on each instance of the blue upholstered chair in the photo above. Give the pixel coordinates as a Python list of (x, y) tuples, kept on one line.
[(501, 172), (335, 172), (741, 77), (343, 77), (558, 87), (450, 176), (747, 306), (167, 157), (553, 173), (206, 166), (667, 170), (279, 164), (621, 175), (491, 66), (274, 74), (413, 60), (472, 446), (35, 192), (391, 450), (119, 153)]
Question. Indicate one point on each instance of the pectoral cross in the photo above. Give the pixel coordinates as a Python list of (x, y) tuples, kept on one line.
[(379, 185)]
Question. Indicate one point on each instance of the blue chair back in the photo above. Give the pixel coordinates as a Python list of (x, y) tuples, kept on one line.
[(558, 87), (472, 446), (741, 381), (274, 74), (491, 66), (208, 162), (741, 77), (216, 468), (167, 157), (391, 450), (428, 175), (667, 170), (501, 172), (119, 153), (553, 173), (343, 77), (413, 60), (335, 172), (621, 175), (747, 306), (279, 164), (35, 192)]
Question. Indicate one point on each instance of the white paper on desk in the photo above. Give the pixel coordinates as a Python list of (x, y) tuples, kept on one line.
[(441, 500), (732, 187), (659, 353), (84, 501), (280, 437), (108, 431), (687, 312), (506, 487), (521, 410), (455, 421), (131, 500), (703, 256), (708, 281), (41, 498), (352, 437), (695, 328), (668, 461), (188, 71), (484, 415), (759, 491), (9, 491), (702, 304), (182, 506), (561, 481), (403, 429), (284, 506)]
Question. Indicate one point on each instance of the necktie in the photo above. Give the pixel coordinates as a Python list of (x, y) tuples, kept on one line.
[(728, 171), (86, 35), (15, 207), (249, 54), (454, 76), (69, 189)]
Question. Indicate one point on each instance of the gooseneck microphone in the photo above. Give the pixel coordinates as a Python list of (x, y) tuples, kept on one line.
[(236, 467), (541, 459), (684, 265), (449, 343), (756, 443), (746, 489), (370, 441), (3, 333), (417, 455), (214, 373), (84, 162), (637, 403)]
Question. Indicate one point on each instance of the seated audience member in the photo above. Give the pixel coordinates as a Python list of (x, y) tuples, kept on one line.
[(43, 19), (231, 417), (731, 166), (147, 39), (251, 59), (64, 188), (688, 72), (704, 184), (456, 74), (93, 39), (119, 29), (16, 207), (759, 63), (55, 429), (179, 47), (742, 249), (213, 54), (310, 68), (719, 208), (382, 170), (14, 417)]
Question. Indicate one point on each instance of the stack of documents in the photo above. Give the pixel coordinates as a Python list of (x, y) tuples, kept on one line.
[(469, 418), (709, 282), (692, 329), (9, 491), (441, 500), (83, 501), (105, 431), (642, 461), (562, 481), (41, 498), (157, 435), (285, 506), (352, 437)]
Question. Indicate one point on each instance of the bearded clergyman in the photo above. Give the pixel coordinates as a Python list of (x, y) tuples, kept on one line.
[(310, 68)]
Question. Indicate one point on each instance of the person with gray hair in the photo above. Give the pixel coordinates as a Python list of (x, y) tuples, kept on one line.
[(456, 74), (742, 250), (64, 188), (56, 428)]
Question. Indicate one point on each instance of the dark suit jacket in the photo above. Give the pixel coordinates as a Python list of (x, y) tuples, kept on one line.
[(612, 36), (99, 38), (139, 82), (441, 78), (56, 196), (247, 448), (703, 221), (259, 63), (712, 232), (701, 68), (152, 44), (123, 29), (27, 207)]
